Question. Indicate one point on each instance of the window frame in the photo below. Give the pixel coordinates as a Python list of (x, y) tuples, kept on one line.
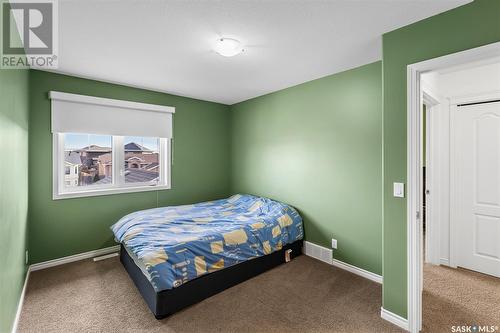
[(118, 185)]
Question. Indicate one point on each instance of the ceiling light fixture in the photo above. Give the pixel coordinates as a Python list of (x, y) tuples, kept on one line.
[(228, 47)]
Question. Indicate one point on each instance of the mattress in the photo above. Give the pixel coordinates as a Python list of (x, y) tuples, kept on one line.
[(138, 263), (176, 244)]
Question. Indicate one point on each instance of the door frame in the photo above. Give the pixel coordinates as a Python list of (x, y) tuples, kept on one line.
[(414, 200), (433, 103)]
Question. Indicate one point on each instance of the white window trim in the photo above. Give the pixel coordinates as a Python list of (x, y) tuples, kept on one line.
[(117, 187)]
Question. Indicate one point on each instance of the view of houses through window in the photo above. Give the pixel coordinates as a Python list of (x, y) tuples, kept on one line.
[(88, 160), (142, 163)]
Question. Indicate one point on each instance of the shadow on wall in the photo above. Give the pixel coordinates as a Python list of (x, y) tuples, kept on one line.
[(14, 190)]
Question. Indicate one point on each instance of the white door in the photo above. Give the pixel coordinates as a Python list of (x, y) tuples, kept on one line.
[(476, 191)]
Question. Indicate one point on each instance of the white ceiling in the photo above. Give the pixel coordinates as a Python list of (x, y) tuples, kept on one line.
[(166, 45), (469, 79)]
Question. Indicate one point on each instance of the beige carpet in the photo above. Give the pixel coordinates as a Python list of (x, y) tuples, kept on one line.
[(304, 295), (455, 297)]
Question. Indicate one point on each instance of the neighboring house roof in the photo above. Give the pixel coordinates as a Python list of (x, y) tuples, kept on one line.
[(134, 158), (72, 157), (132, 146), (145, 157), (152, 166), (133, 176), (95, 148)]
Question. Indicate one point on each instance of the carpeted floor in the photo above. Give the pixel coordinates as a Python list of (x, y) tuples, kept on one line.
[(455, 297), (304, 295)]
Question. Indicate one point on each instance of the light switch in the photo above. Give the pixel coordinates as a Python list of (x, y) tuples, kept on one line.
[(399, 190)]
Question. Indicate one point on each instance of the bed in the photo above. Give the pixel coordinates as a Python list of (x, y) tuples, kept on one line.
[(180, 255)]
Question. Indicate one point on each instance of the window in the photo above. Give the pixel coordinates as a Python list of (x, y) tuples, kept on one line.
[(142, 160), (129, 159), (88, 164), (87, 160)]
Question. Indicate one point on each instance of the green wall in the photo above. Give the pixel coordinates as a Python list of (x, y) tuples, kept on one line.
[(318, 146), (469, 26), (200, 168), (13, 190)]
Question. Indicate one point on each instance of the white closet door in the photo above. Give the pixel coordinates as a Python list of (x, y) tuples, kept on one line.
[(477, 189)]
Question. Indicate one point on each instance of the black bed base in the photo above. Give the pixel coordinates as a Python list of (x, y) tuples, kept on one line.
[(167, 302)]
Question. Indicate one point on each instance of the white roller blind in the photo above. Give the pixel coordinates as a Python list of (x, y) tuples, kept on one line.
[(94, 115)]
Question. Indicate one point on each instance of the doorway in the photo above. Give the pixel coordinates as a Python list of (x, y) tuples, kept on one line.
[(474, 235)]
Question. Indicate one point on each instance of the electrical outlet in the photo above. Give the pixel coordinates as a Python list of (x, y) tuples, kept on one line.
[(334, 243), (26, 257)]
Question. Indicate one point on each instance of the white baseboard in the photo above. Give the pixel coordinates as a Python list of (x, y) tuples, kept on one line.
[(358, 271), (20, 303), (326, 255), (444, 261), (394, 319), (76, 257)]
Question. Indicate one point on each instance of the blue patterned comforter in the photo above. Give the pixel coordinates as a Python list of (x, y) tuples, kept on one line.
[(180, 243)]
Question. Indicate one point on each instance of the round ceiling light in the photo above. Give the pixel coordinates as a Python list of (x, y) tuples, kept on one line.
[(228, 47)]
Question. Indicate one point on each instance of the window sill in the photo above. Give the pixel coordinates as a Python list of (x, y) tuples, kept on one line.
[(108, 191)]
